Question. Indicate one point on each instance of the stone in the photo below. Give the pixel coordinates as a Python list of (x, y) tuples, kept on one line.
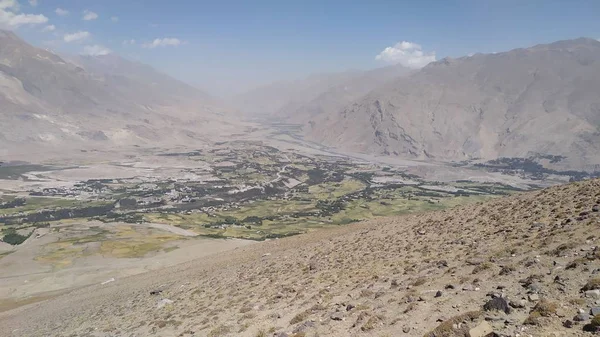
[(593, 293), (591, 328), (164, 302), (538, 225), (493, 294), (337, 316), (518, 304), (406, 329), (482, 330), (475, 261), (534, 288), (438, 294), (497, 304), (581, 318), (533, 297), (568, 324), (596, 208), (304, 326), (349, 307), (595, 311)]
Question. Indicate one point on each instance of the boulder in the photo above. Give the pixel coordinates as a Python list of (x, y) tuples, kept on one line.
[(497, 304)]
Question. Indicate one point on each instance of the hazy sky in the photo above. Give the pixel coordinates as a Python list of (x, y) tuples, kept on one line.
[(229, 45)]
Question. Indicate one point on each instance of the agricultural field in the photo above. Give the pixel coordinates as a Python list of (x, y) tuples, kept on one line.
[(238, 189)]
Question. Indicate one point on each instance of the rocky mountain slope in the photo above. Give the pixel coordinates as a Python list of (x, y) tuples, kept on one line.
[(300, 100), (538, 100), (523, 265), (46, 99)]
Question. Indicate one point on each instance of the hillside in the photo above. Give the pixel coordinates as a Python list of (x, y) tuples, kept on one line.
[(47, 100), (521, 103), (300, 100), (533, 256)]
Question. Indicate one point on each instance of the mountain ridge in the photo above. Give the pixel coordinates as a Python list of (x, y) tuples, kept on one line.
[(100, 100), (511, 104)]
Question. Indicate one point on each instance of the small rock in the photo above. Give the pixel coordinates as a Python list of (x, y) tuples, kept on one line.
[(475, 261), (349, 307), (591, 328), (482, 330), (534, 288), (596, 208), (164, 302), (518, 304), (533, 297), (581, 318), (337, 316), (406, 329), (155, 292), (493, 295), (449, 286), (304, 326), (593, 293), (595, 311), (568, 324), (497, 304), (438, 294)]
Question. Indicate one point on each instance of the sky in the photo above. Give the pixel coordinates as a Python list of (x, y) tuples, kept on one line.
[(225, 46)]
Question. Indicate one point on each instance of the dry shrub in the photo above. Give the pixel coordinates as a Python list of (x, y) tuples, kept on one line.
[(446, 328)]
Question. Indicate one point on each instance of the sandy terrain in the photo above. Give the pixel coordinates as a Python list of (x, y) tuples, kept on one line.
[(24, 278)]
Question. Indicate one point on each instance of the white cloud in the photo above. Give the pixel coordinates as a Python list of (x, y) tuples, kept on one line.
[(89, 15), (10, 19), (33, 3), (95, 50), (164, 42), (61, 12), (408, 54), (49, 28), (114, 18), (9, 4), (129, 42), (78, 36)]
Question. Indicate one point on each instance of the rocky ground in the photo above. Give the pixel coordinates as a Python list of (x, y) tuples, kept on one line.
[(525, 265)]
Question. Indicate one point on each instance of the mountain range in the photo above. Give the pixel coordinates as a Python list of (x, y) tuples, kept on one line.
[(46, 99), (527, 103), (537, 102)]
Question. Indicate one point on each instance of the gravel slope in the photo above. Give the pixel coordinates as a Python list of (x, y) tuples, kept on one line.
[(403, 276)]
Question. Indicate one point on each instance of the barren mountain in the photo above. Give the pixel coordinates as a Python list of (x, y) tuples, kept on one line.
[(538, 100), (298, 101), (524, 265), (105, 99)]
